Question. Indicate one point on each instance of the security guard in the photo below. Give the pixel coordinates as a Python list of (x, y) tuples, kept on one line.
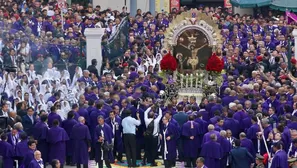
[(259, 161)]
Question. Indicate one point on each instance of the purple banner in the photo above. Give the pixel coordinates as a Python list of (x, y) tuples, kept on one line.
[(291, 17)]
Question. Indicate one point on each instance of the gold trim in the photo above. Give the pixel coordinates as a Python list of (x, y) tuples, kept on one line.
[(185, 19)]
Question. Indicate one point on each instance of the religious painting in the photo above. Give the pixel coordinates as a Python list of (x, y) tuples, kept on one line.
[(192, 50)]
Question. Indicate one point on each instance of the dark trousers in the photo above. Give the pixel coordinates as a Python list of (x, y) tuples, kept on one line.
[(130, 146), (169, 163), (151, 145), (140, 146), (180, 149), (117, 155), (92, 153), (106, 160), (224, 161), (107, 163), (199, 151), (190, 162), (84, 165), (68, 160)]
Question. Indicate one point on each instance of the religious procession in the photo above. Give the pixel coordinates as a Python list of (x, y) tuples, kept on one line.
[(179, 85)]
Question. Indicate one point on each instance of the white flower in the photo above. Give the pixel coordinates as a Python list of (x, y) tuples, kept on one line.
[(211, 83)]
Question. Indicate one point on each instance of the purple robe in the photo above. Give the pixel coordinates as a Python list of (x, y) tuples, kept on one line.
[(216, 107), (7, 153), (228, 99), (208, 109), (212, 153), (107, 131), (13, 140), (206, 136), (117, 131), (35, 164), (28, 158), (90, 109), (172, 132), (248, 144), (51, 117), (252, 134), (40, 131), (68, 125), (81, 142), (226, 148), (57, 138), (247, 123), (133, 75), (94, 121), (189, 129), (233, 125), (280, 160), (84, 113), (21, 149)]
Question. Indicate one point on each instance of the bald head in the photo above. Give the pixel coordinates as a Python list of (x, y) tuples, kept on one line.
[(81, 120), (242, 135), (223, 133), (239, 107), (37, 155), (210, 127), (232, 93), (213, 137)]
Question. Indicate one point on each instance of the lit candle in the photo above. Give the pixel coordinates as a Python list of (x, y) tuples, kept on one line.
[(191, 78), (187, 80), (181, 80), (197, 77)]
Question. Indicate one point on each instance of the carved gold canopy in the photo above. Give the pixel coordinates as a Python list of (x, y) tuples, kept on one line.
[(192, 20)]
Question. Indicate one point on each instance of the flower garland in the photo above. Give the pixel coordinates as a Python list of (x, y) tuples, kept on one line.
[(168, 63), (215, 64)]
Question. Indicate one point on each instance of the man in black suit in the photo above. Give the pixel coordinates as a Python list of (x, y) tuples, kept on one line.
[(92, 68), (12, 119), (10, 58), (236, 155), (118, 71), (29, 121)]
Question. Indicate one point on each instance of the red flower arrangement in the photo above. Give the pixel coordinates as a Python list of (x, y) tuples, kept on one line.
[(168, 63), (214, 63)]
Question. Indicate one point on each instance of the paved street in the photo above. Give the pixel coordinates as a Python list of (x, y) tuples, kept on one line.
[(92, 164)]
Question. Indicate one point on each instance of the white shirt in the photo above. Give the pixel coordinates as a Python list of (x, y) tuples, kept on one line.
[(156, 121), (294, 112), (40, 164), (5, 114), (129, 125)]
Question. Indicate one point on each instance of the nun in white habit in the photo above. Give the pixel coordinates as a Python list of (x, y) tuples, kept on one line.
[(15, 102), (65, 108), (78, 74), (31, 73)]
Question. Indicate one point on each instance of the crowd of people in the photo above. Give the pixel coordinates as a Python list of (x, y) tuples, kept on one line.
[(54, 112)]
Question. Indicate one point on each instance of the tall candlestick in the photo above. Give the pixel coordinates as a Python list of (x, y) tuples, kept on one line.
[(191, 78), (187, 80), (197, 78), (181, 80), (202, 80)]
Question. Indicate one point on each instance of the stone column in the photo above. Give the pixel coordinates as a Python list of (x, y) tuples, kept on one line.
[(133, 7), (94, 48), (152, 6), (295, 41)]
